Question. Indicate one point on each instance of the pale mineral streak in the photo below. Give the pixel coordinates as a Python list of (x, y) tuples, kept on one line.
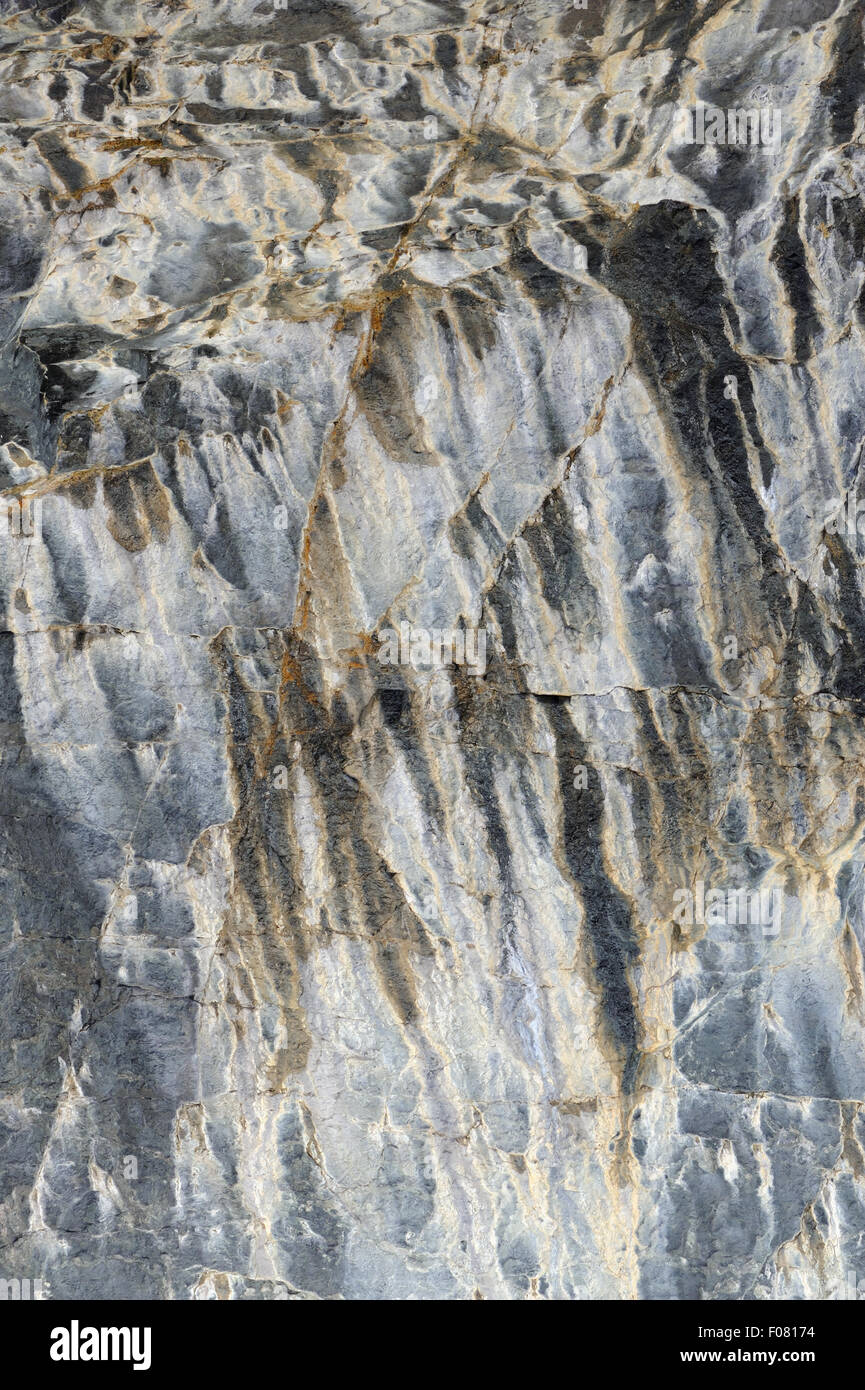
[(329, 978)]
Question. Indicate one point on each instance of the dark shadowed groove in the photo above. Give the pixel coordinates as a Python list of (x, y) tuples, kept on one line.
[(788, 255), (845, 84), (608, 919), (662, 265)]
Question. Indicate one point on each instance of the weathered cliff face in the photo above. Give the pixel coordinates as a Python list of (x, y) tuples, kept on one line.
[(337, 323)]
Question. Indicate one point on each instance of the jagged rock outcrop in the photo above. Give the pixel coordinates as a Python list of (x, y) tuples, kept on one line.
[(330, 978)]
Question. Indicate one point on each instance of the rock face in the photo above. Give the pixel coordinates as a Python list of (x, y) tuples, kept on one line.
[(332, 965)]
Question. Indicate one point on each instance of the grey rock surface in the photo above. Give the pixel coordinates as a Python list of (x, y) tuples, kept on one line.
[(328, 978)]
